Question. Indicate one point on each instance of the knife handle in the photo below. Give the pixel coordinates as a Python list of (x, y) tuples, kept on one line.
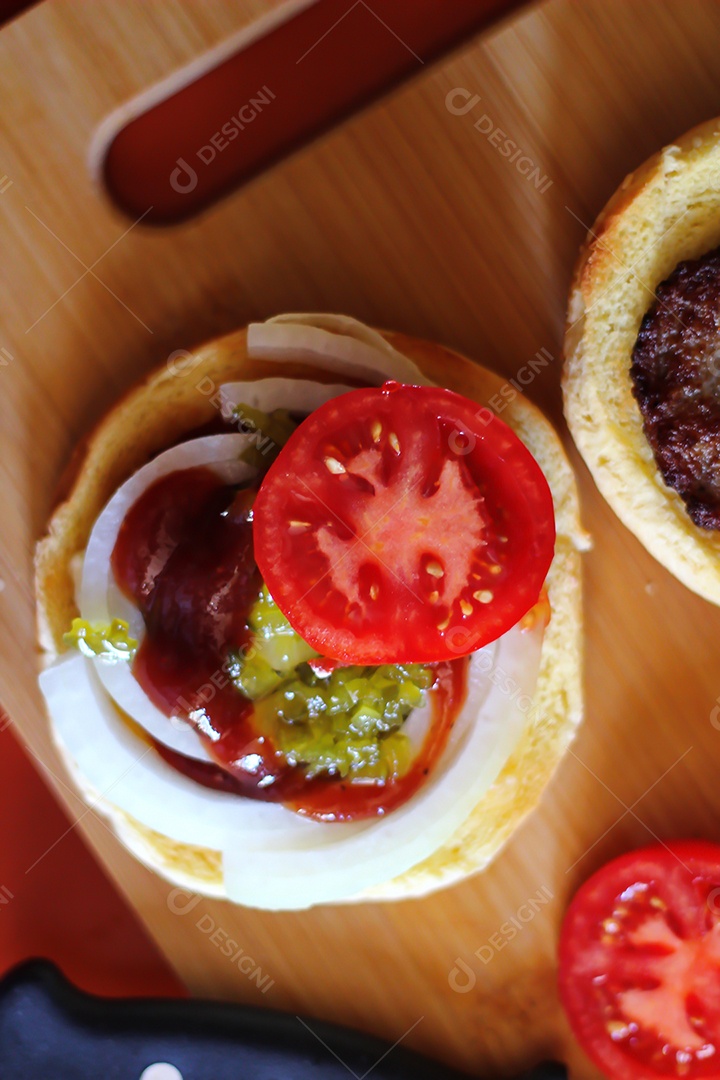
[(50, 1029)]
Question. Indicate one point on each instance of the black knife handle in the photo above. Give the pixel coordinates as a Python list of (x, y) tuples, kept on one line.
[(49, 1029)]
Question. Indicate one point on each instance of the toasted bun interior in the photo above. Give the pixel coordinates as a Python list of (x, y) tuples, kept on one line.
[(666, 211), (164, 409)]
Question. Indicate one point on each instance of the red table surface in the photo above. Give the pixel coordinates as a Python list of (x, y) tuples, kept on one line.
[(56, 902)]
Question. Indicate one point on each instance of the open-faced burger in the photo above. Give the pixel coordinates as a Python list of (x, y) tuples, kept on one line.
[(311, 615), (642, 373)]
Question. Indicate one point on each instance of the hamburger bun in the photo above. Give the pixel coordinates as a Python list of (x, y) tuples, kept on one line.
[(158, 413), (665, 212)]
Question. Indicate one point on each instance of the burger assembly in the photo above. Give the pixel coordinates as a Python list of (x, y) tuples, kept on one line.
[(311, 616)]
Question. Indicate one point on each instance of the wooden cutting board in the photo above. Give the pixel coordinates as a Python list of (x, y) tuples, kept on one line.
[(409, 217)]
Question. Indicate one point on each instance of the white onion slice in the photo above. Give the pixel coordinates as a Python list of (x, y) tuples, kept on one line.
[(101, 600), (305, 873), (352, 350), (298, 395), (172, 731), (338, 324), (123, 770), (272, 857)]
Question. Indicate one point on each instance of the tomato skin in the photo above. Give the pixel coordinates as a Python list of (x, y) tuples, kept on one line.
[(403, 524), (639, 956)]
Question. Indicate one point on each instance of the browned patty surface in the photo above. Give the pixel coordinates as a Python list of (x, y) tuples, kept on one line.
[(676, 381)]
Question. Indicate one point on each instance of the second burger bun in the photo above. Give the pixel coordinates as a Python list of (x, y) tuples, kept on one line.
[(165, 407), (666, 211)]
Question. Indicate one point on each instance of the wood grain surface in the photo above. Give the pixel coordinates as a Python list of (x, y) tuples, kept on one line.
[(408, 217)]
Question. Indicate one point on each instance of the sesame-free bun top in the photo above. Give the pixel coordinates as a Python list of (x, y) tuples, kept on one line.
[(666, 211), (158, 413)]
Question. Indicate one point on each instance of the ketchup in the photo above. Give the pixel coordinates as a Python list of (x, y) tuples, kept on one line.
[(184, 556)]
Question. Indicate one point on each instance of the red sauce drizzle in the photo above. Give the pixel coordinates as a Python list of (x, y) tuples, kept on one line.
[(184, 556)]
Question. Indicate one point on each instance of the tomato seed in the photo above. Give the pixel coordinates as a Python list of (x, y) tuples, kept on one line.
[(617, 1030)]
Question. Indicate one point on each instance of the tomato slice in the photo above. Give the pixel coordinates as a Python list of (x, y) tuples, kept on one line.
[(640, 963), (403, 523)]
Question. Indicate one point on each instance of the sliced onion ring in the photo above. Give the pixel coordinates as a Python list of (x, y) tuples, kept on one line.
[(304, 873), (297, 395), (272, 857), (123, 770), (102, 601), (100, 598), (332, 343), (338, 324)]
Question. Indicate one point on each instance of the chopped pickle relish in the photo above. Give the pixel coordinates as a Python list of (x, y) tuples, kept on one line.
[(102, 639), (275, 651), (272, 431), (345, 723)]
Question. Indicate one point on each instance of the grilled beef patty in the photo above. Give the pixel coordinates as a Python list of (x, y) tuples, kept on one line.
[(676, 382)]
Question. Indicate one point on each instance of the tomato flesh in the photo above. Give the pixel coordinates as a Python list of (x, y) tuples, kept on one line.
[(640, 963), (403, 523)]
